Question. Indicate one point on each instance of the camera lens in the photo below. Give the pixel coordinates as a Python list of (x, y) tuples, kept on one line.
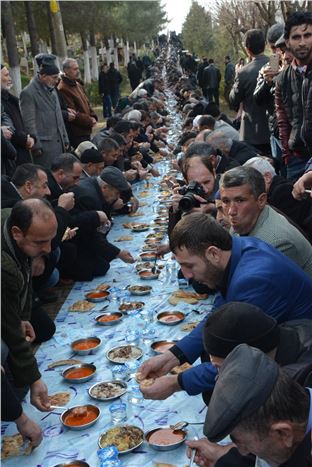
[(188, 202)]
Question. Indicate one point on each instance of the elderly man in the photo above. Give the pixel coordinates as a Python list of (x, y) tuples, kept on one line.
[(92, 163), (244, 198), (279, 193), (26, 234), (94, 251), (80, 128), (42, 114), (241, 269), (237, 150), (263, 410)]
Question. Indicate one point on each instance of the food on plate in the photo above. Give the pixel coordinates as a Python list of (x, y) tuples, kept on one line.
[(12, 446), (108, 318), (140, 289), (81, 415), (162, 346), (102, 287), (59, 398), (70, 361), (180, 368), (139, 227), (123, 437), (128, 225), (124, 238), (170, 317), (124, 353), (136, 214), (189, 326), (143, 194), (81, 305), (130, 306), (166, 436), (148, 256), (78, 373), (108, 390), (149, 274), (86, 344), (188, 297)]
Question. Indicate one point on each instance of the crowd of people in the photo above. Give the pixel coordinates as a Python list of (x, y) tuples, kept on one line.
[(240, 227)]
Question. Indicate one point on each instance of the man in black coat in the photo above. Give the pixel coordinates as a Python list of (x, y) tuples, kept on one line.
[(211, 81), (94, 251), (237, 150), (21, 141)]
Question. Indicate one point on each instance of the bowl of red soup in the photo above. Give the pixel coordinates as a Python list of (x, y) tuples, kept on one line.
[(165, 439), (109, 319), (160, 347), (87, 346), (79, 373), (97, 296), (170, 317), (80, 417)]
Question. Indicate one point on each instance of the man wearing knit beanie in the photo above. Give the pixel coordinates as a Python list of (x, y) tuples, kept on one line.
[(235, 323)]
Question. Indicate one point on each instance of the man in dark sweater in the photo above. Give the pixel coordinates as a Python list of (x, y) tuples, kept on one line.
[(26, 234)]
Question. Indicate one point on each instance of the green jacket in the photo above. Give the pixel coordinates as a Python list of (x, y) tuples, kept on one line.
[(16, 302)]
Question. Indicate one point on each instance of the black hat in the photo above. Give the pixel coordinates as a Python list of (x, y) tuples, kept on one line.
[(46, 64), (91, 155), (115, 178), (245, 381), (239, 323)]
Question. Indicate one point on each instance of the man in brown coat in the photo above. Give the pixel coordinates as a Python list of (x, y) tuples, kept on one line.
[(79, 129)]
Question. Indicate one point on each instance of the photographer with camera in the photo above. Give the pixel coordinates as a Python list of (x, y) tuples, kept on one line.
[(198, 194)]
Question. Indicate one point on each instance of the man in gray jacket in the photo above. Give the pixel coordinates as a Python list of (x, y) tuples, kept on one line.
[(254, 126), (42, 114), (244, 199)]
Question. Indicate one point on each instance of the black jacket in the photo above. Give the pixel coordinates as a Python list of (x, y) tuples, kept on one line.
[(241, 152), (10, 105), (280, 196)]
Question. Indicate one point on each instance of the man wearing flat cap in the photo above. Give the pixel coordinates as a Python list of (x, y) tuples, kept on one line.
[(102, 193), (42, 113), (265, 412)]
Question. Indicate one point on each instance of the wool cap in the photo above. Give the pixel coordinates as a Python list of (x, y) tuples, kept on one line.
[(91, 155), (46, 64), (114, 177), (83, 146), (237, 323), (245, 381)]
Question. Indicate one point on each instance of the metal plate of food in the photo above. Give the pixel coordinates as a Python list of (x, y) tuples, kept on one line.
[(148, 256), (124, 353), (86, 346), (170, 318), (140, 227), (75, 463), (130, 306), (160, 347), (149, 274), (165, 438), (80, 417), (109, 319), (108, 390), (140, 289), (126, 438), (79, 373), (97, 296)]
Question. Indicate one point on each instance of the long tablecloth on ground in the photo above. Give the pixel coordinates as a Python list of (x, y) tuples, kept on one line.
[(61, 444)]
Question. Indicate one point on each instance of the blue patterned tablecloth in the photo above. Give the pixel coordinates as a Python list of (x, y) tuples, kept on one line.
[(60, 444)]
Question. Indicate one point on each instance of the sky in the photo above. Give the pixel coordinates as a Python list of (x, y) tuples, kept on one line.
[(176, 11)]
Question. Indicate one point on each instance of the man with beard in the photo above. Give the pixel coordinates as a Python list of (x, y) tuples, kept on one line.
[(242, 269), (293, 95)]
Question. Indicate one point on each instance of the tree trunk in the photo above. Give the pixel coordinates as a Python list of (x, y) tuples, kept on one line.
[(87, 73), (10, 37), (51, 29), (32, 29), (57, 24), (94, 62)]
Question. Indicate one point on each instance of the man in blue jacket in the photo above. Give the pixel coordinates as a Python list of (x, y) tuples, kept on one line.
[(242, 269)]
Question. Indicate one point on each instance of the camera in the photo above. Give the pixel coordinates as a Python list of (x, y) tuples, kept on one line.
[(188, 201)]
